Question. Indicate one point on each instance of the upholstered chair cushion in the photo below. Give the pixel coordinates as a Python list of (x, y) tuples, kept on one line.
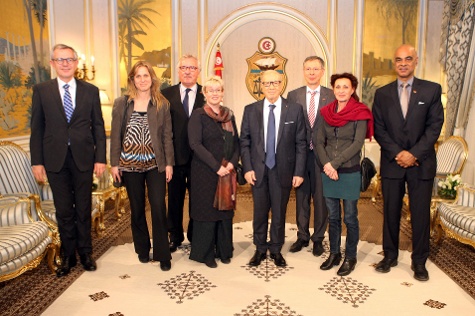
[(451, 156)]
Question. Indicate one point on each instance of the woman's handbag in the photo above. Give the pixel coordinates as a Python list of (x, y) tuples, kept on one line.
[(240, 175), (368, 171)]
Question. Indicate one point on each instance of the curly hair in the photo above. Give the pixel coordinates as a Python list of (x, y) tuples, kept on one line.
[(346, 75)]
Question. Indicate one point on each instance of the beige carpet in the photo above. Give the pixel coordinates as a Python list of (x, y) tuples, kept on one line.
[(122, 286)]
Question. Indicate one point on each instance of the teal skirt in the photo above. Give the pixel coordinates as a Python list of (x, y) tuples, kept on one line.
[(347, 187)]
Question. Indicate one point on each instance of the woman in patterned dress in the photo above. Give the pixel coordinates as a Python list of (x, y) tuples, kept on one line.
[(141, 154), (213, 137)]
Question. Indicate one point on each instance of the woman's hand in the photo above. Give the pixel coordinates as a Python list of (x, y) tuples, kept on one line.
[(330, 171), (229, 166), (168, 173), (116, 174), (223, 171)]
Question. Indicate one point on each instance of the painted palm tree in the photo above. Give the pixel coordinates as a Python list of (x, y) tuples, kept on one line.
[(39, 8), (27, 5), (132, 20)]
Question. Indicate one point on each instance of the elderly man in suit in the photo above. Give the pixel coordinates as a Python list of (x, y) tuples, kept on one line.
[(408, 117), (312, 98), (273, 154), (68, 144), (184, 98)]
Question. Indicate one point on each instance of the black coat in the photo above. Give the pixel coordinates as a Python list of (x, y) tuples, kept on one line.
[(207, 143)]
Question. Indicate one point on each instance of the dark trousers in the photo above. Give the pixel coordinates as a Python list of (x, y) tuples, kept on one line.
[(176, 199), (135, 183), (212, 240), (72, 191), (420, 192), (269, 195), (311, 188)]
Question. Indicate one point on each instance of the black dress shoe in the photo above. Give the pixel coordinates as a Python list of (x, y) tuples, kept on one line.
[(174, 246), (420, 272), (298, 245), (87, 262), (211, 264), (67, 263), (347, 266), (317, 250), (333, 260), (226, 260), (385, 265), (278, 259), (257, 258), (165, 265), (144, 258)]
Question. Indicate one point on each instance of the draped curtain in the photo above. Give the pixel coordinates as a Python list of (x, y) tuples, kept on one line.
[(456, 51)]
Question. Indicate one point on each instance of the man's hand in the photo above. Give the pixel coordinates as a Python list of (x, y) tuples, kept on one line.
[(250, 177), (297, 181), (99, 169), (39, 172), (169, 173), (405, 159), (116, 174)]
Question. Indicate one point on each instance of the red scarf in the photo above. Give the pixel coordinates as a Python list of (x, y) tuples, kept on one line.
[(353, 111)]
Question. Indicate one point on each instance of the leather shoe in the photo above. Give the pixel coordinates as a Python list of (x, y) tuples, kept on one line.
[(278, 259), (385, 265), (420, 272), (257, 258), (333, 260), (298, 245), (317, 250), (87, 262), (144, 258), (174, 246), (226, 260), (165, 265), (66, 264), (347, 266), (211, 264)]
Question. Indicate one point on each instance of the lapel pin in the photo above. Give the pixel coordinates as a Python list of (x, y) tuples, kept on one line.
[(414, 91)]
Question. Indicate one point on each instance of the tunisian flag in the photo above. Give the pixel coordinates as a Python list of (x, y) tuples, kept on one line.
[(218, 64)]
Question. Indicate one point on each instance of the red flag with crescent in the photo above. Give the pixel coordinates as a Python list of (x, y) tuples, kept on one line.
[(218, 64)]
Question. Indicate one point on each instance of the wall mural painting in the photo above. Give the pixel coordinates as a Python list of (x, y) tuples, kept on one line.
[(387, 25), (24, 61), (145, 34)]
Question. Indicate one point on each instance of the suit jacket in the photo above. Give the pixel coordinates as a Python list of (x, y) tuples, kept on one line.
[(417, 133), (180, 122), (51, 132), (299, 96), (291, 152)]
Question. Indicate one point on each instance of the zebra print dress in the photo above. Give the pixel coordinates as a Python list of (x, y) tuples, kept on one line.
[(137, 153)]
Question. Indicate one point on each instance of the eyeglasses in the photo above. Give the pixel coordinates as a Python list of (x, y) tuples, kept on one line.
[(308, 69), (190, 68), (214, 91), (62, 60), (269, 83)]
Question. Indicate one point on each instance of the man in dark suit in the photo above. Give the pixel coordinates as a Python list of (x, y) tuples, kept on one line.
[(312, 98), (273, 154), (408, 117), (68, 144), (184, 98)]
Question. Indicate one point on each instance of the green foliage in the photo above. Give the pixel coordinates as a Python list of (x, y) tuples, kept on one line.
[(368, 87), (45, 74), (10, 75)]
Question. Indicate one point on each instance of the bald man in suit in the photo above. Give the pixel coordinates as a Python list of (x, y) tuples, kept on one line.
[(68, 144), (408, 117), (312, 97)]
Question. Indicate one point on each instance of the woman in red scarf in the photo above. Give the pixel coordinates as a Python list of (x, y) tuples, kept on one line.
[(347, 122), (214, 140)]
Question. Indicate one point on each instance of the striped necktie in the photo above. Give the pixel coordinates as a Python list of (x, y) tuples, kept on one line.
[(311, 112), (68, 103)]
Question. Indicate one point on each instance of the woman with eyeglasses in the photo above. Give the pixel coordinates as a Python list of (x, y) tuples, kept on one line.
[(214, 140), (141, 154), (346, 124)]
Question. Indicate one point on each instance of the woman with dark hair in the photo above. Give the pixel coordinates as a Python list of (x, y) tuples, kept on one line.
[(214, 140), (141, 154), (347, 122)]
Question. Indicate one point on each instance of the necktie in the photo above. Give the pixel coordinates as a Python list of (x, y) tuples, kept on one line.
[(404, 99), (311, 113), (270, 143), (67, 103), (186, 101)]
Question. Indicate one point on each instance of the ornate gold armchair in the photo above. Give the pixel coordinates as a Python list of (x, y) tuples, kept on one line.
[(24, 238)]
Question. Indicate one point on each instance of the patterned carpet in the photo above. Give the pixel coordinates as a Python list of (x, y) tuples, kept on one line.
[(34, 291)]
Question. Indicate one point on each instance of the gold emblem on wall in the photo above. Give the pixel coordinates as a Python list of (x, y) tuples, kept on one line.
[(264, 59)]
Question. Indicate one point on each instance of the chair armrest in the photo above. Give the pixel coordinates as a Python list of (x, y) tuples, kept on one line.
[(15, 210), (465, 195), (45, 191)]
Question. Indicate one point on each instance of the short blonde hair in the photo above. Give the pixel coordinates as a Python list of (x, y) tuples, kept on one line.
[(211, 81)]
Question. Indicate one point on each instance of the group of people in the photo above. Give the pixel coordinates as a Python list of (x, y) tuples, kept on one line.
[(185, 138)]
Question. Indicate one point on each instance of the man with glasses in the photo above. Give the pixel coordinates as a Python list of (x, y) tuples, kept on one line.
[(184, 98), (68, 144), (273, 154), (312, 97)]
